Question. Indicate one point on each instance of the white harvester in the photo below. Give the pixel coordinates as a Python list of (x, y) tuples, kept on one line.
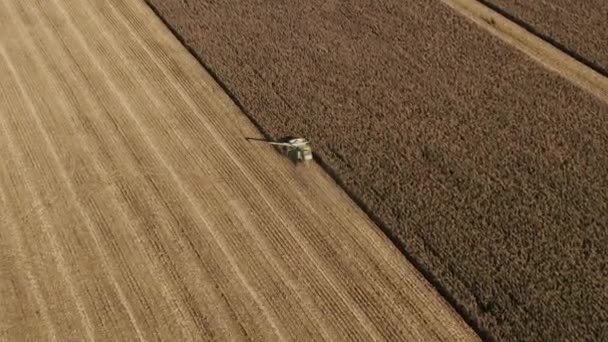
[(297, 149)]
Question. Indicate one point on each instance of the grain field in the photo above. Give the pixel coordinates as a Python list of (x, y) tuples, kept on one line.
[(577, 27), (133, 208), (486, 167), (546, 53)]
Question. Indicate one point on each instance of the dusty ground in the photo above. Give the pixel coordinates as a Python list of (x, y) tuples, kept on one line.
[(579, 27), (488, 169), (132, 206)]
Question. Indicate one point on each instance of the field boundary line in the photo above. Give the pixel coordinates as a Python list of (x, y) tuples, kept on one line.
[(536, 46)]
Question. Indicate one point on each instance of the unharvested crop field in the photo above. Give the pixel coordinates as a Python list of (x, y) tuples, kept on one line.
[(580, 27), (132, 207), (487, 169)]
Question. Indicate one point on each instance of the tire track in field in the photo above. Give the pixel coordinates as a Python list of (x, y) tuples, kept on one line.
[(253, 181), (539, 49), (70, 185), (120, 148), (124, 217), (36, 197), (152, 97), (99, 305), (87, 213), (178, 182), (29, 286)]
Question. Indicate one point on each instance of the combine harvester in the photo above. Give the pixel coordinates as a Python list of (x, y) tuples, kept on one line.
[(297, 149)]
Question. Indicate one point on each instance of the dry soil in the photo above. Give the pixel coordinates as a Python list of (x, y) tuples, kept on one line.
[(133, 208), (487, 169)]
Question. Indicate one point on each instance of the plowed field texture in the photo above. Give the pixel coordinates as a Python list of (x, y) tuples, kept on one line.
[(489, 171)]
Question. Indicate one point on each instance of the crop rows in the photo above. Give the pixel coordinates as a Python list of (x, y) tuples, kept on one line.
[(580, 29), (488, 170), (132, 206)]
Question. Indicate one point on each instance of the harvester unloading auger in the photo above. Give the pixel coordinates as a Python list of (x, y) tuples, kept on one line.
[(297, 149)]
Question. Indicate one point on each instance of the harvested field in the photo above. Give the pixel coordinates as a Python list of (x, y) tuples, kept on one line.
[(133, 208), (486, 168), (581, 28)]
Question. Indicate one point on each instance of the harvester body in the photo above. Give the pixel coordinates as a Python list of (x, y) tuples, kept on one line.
[(298, 149)]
